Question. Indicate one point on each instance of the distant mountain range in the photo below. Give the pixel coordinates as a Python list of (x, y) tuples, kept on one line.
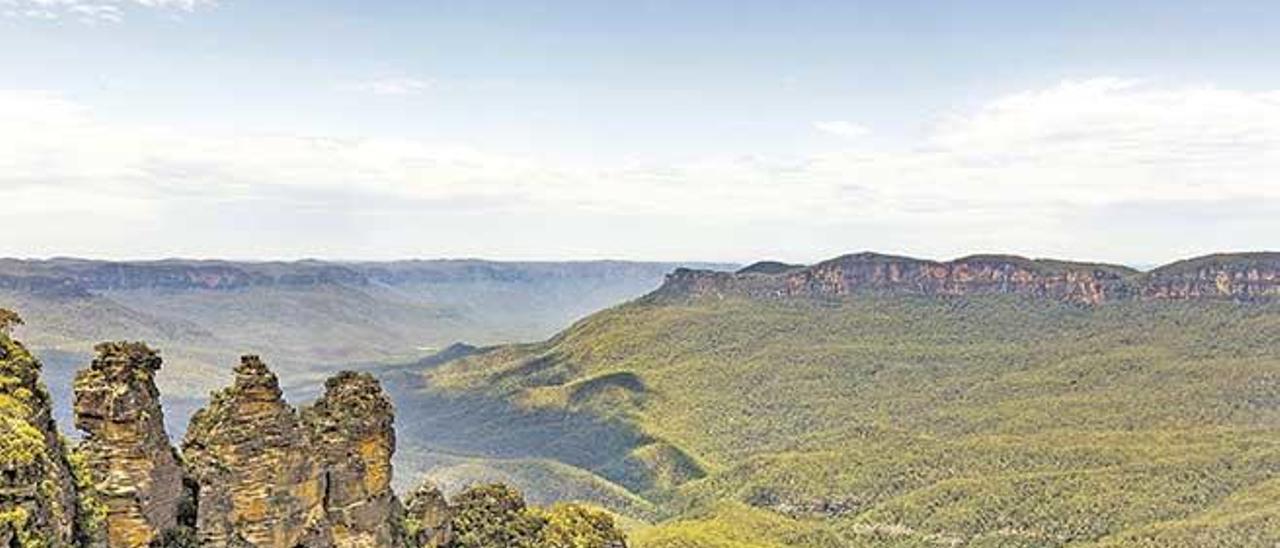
[(1239, 276), (309, 318)]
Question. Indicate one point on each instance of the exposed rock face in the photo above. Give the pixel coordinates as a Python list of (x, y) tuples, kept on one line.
[(428, 518), (38, 504), (1251, 276), (135, 471), (869, 272), (1233, 277), (353, 435), (260, 482)]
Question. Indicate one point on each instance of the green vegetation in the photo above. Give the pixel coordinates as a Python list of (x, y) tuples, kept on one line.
[(577, 526), (92, 511), (491, 515), (25, 454), (908, 421)]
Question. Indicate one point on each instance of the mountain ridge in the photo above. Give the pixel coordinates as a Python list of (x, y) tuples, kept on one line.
[(1233, 276), (76, 277)]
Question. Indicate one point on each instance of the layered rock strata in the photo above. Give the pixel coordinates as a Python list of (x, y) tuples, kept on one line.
[(353, 437), (260, 483), (1240, 277), (135, 472)]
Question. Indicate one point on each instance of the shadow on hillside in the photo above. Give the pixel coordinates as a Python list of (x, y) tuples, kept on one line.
[(468, 424)]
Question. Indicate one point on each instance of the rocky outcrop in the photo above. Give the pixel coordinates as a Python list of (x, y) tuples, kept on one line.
[(428, 518), (260, 481), (254, 473), (135, 471), (38, 502), (1242, 277), (353, 436)]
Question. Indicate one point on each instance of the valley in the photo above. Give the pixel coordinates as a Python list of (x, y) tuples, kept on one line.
[(869, 400), (309, 318), (883, 414)]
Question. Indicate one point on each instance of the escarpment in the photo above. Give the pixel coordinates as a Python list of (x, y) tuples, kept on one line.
[(135, 471), (1240, 277), (259, 481), (1246, 276), (38, 502)]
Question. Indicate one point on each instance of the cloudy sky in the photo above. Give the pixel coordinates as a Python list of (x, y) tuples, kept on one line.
[(1138, 131)]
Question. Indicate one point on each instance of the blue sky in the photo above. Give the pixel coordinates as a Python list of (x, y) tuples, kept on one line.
[(1127, 131)]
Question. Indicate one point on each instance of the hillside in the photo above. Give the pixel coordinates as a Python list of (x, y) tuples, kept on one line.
[(874, 400), (309, 318)]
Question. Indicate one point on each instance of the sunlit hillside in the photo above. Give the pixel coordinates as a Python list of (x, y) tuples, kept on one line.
[(887, 420)]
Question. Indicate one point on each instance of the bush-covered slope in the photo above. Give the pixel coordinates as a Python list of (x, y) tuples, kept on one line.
[(908, 420)]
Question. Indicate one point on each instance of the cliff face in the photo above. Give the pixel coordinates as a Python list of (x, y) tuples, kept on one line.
[(38, 504), (1251, 276), (259, 480), (1235, 277), (135, 471), (353, 437)]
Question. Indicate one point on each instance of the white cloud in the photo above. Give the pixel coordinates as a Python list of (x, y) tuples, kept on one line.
[(399, 86), (1043, 171), (841, 128), (93, 11)]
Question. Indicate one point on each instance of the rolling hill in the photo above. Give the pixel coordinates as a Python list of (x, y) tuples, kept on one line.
[(887, 401)]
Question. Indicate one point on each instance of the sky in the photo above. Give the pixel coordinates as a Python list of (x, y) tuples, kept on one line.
[(1137, 132)]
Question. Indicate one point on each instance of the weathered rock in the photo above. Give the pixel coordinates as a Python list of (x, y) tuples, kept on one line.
[(134, 469), (38, 504), (1240, 277), (428, 518), (353, 435), (260, 481)]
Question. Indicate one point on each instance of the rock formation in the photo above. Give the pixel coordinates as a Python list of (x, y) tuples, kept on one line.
[(1241, 277), (254, 473), (353, 437), (135, 472), (38, 503), (428, 518), (260, 483)]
